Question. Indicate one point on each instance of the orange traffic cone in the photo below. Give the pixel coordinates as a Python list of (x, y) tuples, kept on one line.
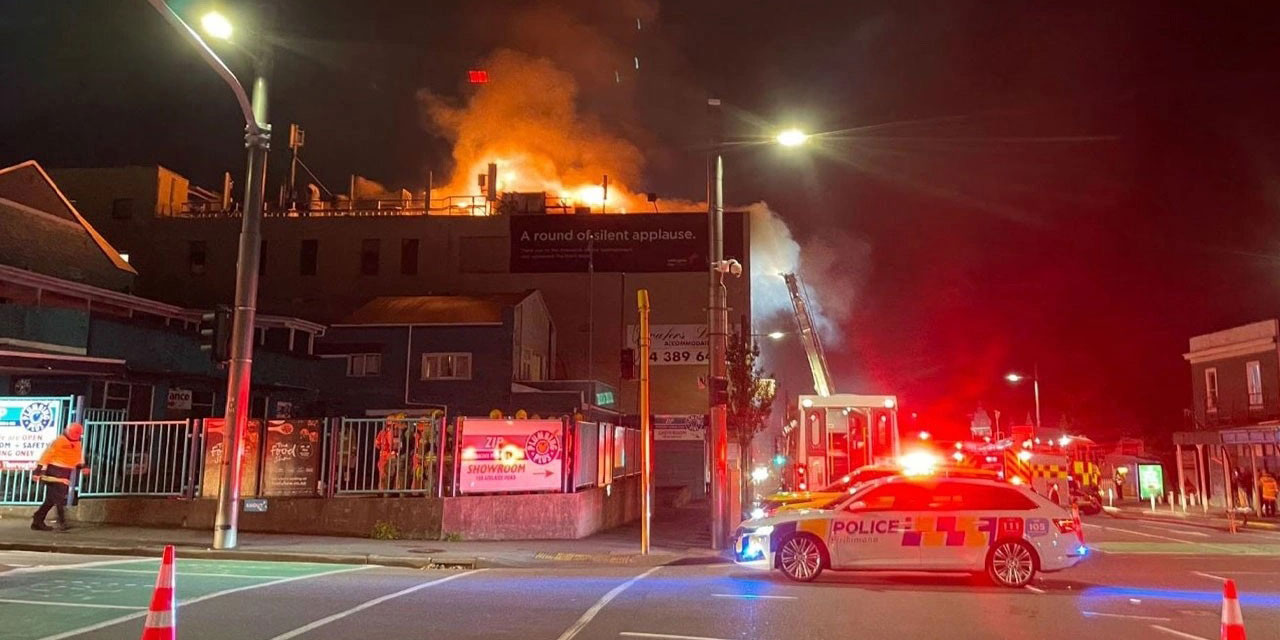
[(1232, 620), (162, 623)]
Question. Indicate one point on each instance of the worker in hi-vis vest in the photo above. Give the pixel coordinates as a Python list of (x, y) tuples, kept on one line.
[(56, 468)]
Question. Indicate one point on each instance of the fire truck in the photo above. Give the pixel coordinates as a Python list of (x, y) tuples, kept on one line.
[(833, 434), (1066, 466)]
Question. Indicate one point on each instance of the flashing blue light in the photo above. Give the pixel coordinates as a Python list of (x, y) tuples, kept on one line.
[(779, 460), (1214, 597), (1082, 550)]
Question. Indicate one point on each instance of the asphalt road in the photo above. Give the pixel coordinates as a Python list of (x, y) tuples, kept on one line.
[(1145, 580)]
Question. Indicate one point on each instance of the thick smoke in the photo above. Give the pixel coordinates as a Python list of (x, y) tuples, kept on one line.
[(833, 268)]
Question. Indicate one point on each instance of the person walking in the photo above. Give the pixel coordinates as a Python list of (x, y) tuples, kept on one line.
[(55, 469), (1267, 485)]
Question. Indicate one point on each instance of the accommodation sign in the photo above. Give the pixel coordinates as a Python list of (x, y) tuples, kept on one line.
[(673, 344)]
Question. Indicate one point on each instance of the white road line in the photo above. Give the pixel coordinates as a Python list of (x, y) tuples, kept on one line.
[(1176, 633), (1181, 532), (1100, 614), (209, 596), (1148, 535), (664, 636), (182, 573), (80, 565), (752, 596), (604, 600), (87, 605), (1032, 589), (1210, 576), (370, 603)]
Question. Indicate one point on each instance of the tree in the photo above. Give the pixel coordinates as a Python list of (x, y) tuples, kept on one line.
[(751, 395)]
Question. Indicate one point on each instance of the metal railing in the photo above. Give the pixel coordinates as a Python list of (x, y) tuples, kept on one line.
[(104, 415), (140, 459), (387, 456), (17, 488), (586, 455)]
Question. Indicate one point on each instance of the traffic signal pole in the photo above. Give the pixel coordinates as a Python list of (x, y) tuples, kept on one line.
[(646, 439), (240, 367)]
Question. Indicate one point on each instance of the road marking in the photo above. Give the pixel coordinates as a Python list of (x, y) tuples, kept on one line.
[(209, 596), (370, 603), (1181, 532), (1091, 614), (664, 636), (1175, 632), (604, 600), (751, 596), (1210, 576), (1152, 535), (182, 573), (1032, 589), (80, 565), (87, 605)]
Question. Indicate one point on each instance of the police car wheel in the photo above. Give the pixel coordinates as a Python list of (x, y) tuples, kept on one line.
[(1011, 563), (802, 557)]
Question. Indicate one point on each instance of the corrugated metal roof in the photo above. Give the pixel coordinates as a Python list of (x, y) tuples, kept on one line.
[(462, 310)]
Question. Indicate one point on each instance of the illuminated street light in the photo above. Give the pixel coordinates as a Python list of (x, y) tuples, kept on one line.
[(777, 335), (925, 435), (792, 138), (1014, 378), (216, 25)]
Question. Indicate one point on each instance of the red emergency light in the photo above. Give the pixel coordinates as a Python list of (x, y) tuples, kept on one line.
[(477, 76)]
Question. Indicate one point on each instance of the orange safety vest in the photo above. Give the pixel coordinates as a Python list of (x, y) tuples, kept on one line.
[(1268, 487), (60, 460)]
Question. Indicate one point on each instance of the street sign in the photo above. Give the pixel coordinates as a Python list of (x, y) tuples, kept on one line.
[(679, 427), (255, 505)]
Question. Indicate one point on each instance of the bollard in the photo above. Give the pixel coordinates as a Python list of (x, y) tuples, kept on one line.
[(1171, 506), (1153, 503), (1184, 504), (1111, 497)]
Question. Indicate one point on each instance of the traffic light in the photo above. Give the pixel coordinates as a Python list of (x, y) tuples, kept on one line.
[(802, 478), (779, 460), (719, 391), (628, 364), (215, 333)]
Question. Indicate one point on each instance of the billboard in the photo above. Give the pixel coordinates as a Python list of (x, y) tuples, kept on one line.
[(673, 344), (679, 427), (507, 456), (291, 466), (27, 426), (631, 243), (214, 445)]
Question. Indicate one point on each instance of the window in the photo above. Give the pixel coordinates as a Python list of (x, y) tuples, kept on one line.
[(409, 257), (1211, 390), (364, 365), (122, 208), (308, 257), (369, 258), (897, 496), (446, 366), (201, 404), (956, 496), (1253, 371), (197, 256)]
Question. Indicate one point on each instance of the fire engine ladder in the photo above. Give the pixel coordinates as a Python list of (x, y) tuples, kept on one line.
[(809, 335)]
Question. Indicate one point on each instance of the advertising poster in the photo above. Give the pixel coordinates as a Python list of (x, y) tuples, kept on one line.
[(1150, 481), (214, 449), (673, 344), (27, 426), (506, 456), (633, 243), (679, 427), (292, 460)]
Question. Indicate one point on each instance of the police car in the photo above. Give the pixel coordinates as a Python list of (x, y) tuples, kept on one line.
[(920, 524)]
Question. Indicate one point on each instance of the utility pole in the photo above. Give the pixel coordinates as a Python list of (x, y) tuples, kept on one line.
[(240, 367), (1035, 386), (717, 323), (646, 447)]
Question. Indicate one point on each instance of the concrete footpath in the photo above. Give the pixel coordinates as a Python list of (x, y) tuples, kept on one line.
[(1193, 516), (620, 546)]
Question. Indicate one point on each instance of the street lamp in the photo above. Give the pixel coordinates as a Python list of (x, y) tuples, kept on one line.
[(717, 327), (1015, 378), (239, 370)]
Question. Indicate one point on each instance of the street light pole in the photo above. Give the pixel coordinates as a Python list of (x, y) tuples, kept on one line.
[(1035, 386), (717, 323), (239, 374)]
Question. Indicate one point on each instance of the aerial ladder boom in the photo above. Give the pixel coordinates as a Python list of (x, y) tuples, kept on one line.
[(809, 335)]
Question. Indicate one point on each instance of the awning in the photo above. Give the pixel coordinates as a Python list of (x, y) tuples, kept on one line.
[(50, 364)]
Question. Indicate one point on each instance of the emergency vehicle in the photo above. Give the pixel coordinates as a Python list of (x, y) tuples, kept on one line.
[(915, 464), (1065, 466), (920, 524)]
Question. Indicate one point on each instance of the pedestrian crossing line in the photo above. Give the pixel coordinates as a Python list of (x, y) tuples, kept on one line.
[(208, 596), (85, 605)]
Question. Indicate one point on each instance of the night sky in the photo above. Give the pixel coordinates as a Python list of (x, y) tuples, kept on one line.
[(1083, 186)]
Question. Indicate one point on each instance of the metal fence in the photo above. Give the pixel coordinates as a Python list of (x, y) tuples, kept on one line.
[(17, 488), (387, 456), (104, 415), (586, 455), (140, 459)]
